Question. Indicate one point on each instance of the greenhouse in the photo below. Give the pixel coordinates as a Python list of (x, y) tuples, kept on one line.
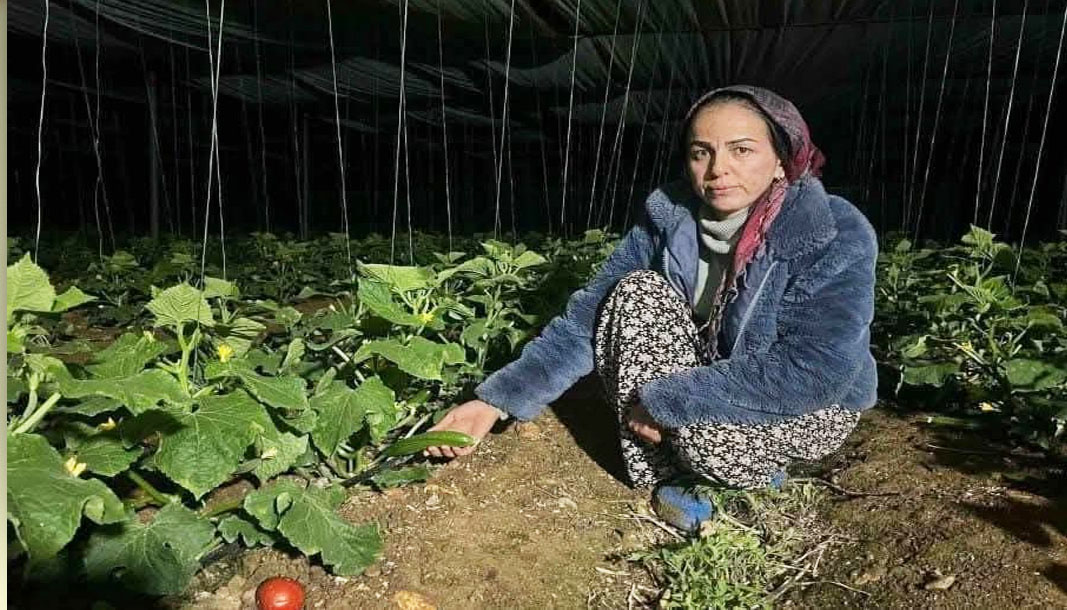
[(536, 303)]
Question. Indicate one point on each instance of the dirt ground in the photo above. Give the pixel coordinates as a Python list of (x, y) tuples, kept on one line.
[(538, 518)]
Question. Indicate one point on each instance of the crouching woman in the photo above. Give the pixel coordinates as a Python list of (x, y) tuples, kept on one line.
[(731, 326)]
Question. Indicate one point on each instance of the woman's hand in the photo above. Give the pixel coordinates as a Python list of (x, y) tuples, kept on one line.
[(475, 418), (642, 424)]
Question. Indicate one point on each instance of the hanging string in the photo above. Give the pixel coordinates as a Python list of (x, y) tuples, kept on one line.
[(259, 115), (215, 69), (407, 193), (1028, 114), (664, 141), (444, 122), (616, 150), (190, 144), (1007, 114), (340, 153), (40, 128), (492, 122), (94, 134), (174, 140), (150, 93), (1040, 149), (906, 177), (603, 115), (985, 112), (922, 102), (937, 118), (570, 113), (399, 127), (641, 135), (504, 117)]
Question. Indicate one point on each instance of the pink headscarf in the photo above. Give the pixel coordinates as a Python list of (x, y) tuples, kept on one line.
[(806, 159)]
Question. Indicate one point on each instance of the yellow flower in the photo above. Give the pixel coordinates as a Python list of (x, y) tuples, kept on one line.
[(108, 425), (149, 336), (225, 352), (73, 466), (426, 318), (986, 407)]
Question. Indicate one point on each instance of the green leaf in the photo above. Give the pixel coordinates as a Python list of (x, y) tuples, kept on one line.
[(233, 527), (529, 259), (402, 476), (283, 392), (216, 288), (307, 519), (208, 446), (1034, 374), (278, 451), (239, 334), (287, 316), (179, 304), (137, 393), (421, 358), (377, 297), (15, 389), (399, 278), (293, 353), (45, 502), (70, 299), (930, 374), (91, 406), (15, 344), (342, 412), (28, 288), (380, 404), (158, 558), (104, 454), (126, 357)]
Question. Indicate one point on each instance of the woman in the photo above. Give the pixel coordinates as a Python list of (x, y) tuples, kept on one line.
[(730, 326)]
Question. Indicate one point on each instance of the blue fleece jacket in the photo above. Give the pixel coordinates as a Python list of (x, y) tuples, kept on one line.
[(795, 337)]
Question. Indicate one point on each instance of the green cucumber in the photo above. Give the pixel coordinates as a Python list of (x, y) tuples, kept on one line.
[(420, 442)]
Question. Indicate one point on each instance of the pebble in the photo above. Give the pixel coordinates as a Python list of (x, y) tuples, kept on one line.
[(939, 582), (410, 600)]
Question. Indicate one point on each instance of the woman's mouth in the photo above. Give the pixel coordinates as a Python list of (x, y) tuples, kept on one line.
[(718, 191)]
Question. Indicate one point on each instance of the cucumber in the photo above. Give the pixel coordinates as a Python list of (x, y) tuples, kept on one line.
[(420, 442)]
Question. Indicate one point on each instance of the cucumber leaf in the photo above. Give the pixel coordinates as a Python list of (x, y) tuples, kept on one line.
[(307, 519), (158, 558), (179, 304), (28, 288), (126, 357), (45, 502)]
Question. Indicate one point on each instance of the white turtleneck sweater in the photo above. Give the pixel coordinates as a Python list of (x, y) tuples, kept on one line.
[(718, 239)]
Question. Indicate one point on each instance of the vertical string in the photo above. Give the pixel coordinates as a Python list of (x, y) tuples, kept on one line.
[(985, 112), (399, 127), (570, 113), (340, 152), (40, 128), (444, 123), (1007, 114), (937, 117), (603, 115), (1040, 149), (922, 101), (504, 117), (259, 116)]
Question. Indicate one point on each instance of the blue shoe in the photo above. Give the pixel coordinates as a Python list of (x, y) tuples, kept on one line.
[(778, 480), (682, 507)]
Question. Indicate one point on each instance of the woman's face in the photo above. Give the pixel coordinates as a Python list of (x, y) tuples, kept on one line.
[(731, 158)]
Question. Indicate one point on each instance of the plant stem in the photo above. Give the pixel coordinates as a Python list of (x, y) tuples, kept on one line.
[(222, 507), (159, 497), (32, 421)]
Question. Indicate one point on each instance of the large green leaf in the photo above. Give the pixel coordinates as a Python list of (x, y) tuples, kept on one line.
[(239, 334), (70, 299), (400, 278), (179, 304), (1034, 374), (28, 288), (210, 442), (233, 527), (343, 412), (278, 451), (377, 297), (158, 558), (529, 258), (307, 519), (127, 356), (421, 358), (380, 404), (105, 454), (137, 393), (215, 288), (45, 502), (287, 392), (930, 374)]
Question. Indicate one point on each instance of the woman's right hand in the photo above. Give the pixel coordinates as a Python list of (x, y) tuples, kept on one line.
[(475, 418)]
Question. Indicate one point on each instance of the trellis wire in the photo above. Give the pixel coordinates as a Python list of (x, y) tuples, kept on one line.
[(570, 113), (215, 68), (504, 117), (399, 128), (444, 123), (937, 118), (922, 102), (1007, 113), (603, 115), (492, 121), (94, 133), (340, 153), (40, 127), (1040, 150), (1026, 121), (985, 113)]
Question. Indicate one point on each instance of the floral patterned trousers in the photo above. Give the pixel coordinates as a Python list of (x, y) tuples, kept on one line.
[(646, 331)]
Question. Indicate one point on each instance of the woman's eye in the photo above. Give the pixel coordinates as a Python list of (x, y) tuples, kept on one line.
[(698, 154), (742, 150)]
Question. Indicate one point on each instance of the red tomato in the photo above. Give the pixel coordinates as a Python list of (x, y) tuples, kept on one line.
[(280, 593)]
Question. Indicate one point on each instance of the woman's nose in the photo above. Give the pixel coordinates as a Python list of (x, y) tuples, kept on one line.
[(714, 169)]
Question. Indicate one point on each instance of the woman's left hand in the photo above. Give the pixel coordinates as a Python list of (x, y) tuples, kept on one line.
[(642, 424)]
